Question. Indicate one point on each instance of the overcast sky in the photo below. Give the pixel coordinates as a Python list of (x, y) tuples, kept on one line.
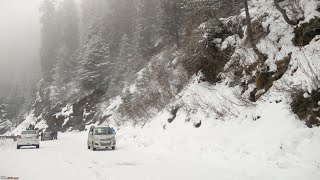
[(19, 41)]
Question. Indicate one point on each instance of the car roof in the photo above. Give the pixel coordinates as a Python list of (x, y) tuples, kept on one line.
[(101, 127), (29, 131)]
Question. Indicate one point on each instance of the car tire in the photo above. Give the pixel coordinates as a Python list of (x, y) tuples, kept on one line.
[(88, 146), (37, 146), (113, 148), (18, 147), (93, 148)]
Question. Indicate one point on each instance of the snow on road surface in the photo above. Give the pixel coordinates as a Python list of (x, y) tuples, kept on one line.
[(269, 148), (275, 146), (68, 158)]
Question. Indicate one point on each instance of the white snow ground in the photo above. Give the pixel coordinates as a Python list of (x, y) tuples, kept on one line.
[(277, 146)]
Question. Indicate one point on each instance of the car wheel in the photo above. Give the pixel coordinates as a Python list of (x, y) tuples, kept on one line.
[(18, 147), (113, 148), (93, 148), (88, 146), (37, 146)]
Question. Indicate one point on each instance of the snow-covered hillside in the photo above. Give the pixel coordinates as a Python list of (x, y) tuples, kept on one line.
[(128, 87), (255, 120)]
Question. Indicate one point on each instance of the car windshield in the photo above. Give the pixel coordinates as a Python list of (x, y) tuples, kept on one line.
[(102, 131), (29, 132)]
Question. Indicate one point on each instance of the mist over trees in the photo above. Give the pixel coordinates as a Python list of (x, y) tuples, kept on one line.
[(141, 51), (103, 47), (111, 42), (19, 44)]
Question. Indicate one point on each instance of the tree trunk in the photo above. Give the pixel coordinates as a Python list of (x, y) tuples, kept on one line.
[(176, 30), (284, 14), (261, 56)]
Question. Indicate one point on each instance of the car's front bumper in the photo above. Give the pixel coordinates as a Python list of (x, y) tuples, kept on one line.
[(104, 144)]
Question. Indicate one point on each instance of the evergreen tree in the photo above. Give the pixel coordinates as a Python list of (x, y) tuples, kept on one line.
[(92, 10), (172, 19), (69, 42), (95, 60), (69, 26), (49, 37), (126, 51), (143, 29)]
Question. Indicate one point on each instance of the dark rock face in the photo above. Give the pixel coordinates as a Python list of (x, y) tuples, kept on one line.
[(84, 110), (5, 125), (87, 105)]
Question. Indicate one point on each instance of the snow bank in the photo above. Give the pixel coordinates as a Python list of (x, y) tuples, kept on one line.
[(276, 145), (6, 144)]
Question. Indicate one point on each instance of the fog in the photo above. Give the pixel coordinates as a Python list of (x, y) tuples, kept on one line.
[(19, 43)]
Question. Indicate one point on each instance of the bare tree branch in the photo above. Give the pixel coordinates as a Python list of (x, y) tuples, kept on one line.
[(284, 14), (261, 56)]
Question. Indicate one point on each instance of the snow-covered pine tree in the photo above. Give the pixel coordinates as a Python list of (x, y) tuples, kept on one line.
[(69, 26), (68, 19), (49, 37), (172, 20), (95, 58), (143, 29), (126, 56)]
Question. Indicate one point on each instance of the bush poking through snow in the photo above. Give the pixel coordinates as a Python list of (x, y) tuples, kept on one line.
[(261, 76), (264, 80), (306, 32), (307, 107)]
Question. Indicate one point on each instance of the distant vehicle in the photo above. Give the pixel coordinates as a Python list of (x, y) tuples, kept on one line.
[(46, 136), (101, 138), (28, 138)]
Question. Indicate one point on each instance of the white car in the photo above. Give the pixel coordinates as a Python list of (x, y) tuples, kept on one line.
[(28, 138), (101, 138)]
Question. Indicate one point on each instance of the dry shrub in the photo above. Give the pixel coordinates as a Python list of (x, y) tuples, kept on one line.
[(306, 32), (201, 55), (155, 89), (258, 31), (295, 9), (307, 108), (263, 78)]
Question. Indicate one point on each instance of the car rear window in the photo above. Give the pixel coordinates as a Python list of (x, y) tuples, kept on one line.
[(29, 132)]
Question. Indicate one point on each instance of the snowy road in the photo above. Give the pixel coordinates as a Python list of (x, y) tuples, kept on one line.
[(69, 158)]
